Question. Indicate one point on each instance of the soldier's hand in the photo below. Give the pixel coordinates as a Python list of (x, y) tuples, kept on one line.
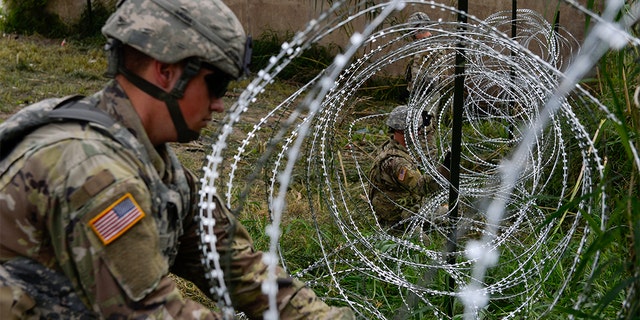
[(443, 169), (426, 119)]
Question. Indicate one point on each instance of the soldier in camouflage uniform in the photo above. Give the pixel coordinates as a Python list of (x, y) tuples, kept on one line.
[(420, 73), (95, 214), (396, 184)]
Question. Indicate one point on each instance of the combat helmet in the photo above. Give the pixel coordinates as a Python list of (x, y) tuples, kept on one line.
[(199, 32), (398, 120), (417, 22), (418, 19)]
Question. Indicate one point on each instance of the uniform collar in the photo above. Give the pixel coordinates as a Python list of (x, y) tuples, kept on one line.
[(395, 144), (116, 103)]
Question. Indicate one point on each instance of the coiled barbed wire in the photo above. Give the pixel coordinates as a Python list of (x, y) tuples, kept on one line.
[(520, 121)]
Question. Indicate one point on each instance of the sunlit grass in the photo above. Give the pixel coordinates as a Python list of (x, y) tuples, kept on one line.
[(36, 68), (32, 69)]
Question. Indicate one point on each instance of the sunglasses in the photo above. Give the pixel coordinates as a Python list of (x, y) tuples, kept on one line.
[(217, 81)]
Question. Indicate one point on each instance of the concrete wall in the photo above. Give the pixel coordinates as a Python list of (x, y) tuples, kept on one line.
[(70, 11), (292, 15), (258, 16)]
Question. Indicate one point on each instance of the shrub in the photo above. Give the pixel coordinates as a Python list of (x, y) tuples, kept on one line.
[(92, 20), (29, 17), (301, 69)]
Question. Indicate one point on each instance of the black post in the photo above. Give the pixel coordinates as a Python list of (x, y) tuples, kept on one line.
[(514, 16), (90, 16), (456, 143), (512, 102)]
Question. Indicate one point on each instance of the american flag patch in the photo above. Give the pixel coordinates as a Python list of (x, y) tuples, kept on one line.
[(116, 219), (403, 172)]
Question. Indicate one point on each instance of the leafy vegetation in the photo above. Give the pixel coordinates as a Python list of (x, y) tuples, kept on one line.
[(35, 68), (300, 70), (31, 17)]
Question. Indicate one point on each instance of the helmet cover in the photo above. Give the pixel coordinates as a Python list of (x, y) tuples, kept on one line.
[(397, 119), (173, 30), (418, 19)]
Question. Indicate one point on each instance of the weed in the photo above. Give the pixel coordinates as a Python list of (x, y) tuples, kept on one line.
[(34, 68)]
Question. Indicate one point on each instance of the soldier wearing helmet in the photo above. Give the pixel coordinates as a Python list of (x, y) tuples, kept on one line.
[(397, 186), (417, 21), (419, 73), (95, 208)]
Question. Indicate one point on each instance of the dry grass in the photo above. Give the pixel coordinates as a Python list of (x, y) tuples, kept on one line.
[(34, 68)]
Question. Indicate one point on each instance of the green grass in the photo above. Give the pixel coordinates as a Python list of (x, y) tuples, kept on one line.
[(34, 68)]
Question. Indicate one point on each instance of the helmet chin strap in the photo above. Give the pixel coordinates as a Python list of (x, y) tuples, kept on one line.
[(170, 98)]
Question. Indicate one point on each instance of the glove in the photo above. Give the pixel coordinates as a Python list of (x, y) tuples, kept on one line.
[(426, 118)]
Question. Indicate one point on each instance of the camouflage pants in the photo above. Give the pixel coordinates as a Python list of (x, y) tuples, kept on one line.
[(29, 290), (389, 212)]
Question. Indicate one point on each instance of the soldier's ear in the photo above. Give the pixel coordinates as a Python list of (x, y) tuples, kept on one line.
[(165, 74)]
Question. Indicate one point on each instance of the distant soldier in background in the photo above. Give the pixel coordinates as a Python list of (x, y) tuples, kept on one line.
[(419, 73), (397, 186), (95, 208)]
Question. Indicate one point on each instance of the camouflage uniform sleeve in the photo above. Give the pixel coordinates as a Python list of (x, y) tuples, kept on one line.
[(415, 65), (247, 272), (405, 174), (408, 76), (118, 270), (188, 262)]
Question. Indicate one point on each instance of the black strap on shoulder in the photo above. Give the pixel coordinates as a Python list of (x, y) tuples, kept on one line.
[(70, 109)]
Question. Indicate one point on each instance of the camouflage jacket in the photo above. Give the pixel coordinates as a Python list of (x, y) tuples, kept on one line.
[(396, 184), (113, 214), (422, 70)]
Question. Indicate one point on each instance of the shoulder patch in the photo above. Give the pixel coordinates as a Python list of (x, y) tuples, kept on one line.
[(117, 219), (402, 173)]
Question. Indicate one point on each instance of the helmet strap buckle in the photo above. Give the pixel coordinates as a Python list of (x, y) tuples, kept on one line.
[(191, 69), (114, 47)]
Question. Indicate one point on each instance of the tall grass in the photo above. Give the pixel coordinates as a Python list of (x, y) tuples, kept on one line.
[(33, 69), (617, 276)]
